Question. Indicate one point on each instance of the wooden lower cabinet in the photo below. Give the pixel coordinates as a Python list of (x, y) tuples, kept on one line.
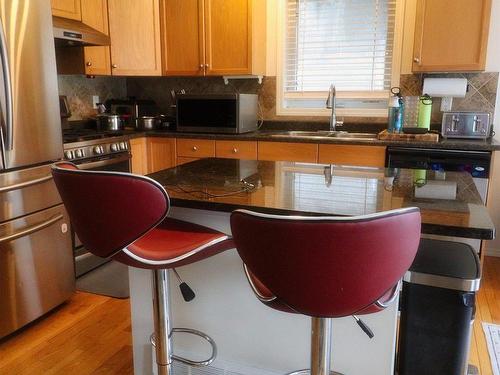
[(161, 154), (365, 156), (183, 160), (288, 151), (139, 162), (236, 149), (195, 148)]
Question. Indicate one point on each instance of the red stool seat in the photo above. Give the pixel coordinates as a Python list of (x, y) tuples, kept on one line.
[(174, 243)]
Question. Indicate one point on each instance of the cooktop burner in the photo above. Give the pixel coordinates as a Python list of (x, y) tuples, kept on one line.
[(78, 135)]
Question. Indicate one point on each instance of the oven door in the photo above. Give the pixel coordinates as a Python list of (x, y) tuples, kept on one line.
[(85, 261)]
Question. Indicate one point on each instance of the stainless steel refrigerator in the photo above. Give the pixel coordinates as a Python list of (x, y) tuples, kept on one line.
[(36, 261)]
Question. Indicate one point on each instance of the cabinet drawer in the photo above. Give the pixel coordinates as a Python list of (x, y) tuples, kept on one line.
[(196, 148), (287, 151), (236, 149), (365, 156)]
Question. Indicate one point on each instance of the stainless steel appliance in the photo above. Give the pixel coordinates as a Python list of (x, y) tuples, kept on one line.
[(224, 113), (474, 125), (477, 163), (36, 264), (103, 153), (75, 33)]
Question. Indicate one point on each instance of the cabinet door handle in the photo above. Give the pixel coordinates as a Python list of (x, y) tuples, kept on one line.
[(195, 148), (89, 63), (114, 66), (202, 66), (207, 66), (235, 150), (417, 60)]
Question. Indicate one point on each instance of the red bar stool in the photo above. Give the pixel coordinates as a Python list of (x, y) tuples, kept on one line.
[(326, 267), (124, 217)]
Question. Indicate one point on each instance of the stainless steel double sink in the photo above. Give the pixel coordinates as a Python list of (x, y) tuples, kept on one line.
[(323, 134)]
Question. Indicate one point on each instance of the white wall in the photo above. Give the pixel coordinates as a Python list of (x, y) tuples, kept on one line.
[(493, 56)]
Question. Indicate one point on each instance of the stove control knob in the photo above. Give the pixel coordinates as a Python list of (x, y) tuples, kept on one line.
[(115, 147), (123, 146), (78, 153), (68, 154), (97, 150)]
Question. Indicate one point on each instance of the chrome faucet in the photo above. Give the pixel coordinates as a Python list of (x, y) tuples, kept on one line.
[(331, 104)]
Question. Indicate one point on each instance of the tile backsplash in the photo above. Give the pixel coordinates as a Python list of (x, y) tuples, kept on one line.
[(80, 89), (481, 94)]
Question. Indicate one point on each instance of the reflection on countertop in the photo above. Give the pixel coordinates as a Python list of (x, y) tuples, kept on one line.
[(316, 189)]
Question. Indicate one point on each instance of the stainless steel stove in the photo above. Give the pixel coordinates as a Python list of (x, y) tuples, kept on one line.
[(100, 152)]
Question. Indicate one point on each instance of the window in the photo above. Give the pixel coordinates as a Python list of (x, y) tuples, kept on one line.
[(350, 43)]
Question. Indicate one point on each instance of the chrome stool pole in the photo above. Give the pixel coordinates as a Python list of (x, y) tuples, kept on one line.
[(161, 314), (321, 343)]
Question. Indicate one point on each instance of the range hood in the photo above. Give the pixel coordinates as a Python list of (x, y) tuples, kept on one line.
[(75, 33)]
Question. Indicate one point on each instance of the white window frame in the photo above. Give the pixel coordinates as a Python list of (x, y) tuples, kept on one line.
[(281, 110)]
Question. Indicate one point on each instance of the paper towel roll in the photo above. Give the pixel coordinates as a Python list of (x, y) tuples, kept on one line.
[(445, 87)]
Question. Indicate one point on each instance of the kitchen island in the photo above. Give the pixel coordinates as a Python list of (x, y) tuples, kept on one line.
[(252, 338)]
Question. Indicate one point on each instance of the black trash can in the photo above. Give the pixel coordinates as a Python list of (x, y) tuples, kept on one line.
[(437, 309)]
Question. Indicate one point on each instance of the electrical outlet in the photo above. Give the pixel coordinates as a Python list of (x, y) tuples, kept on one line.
[(446, 104), (95, 100)]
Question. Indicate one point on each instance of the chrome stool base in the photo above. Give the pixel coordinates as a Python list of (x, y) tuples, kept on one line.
[(161, 339), (189, 361)]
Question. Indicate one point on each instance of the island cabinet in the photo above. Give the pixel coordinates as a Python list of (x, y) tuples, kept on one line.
[(363, 156), (67, 9), (213, 37), (139, 161), (451, 35), (288, 151), (96, 58), (134, 29), (152, 154)]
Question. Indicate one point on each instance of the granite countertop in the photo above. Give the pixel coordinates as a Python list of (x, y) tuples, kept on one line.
[(317, 189), (268, 135)]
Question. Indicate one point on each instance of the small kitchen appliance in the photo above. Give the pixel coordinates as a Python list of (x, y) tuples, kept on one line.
[(473, 125)]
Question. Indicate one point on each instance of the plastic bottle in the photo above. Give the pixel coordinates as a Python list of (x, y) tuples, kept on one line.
[(395, 118)]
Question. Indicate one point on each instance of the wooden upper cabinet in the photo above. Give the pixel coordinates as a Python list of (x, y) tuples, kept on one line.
[(182, 37), (67, 9), (214, 37), (134, 29), (97, 59), (235, 37), (451, 35)]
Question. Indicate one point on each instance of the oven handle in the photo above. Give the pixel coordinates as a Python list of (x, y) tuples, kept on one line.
[(103, 163)]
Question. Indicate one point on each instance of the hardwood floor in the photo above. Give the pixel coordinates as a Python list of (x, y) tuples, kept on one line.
[(91, 335)]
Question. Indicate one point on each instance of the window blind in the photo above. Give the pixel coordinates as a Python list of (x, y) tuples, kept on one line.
[(345, 42)]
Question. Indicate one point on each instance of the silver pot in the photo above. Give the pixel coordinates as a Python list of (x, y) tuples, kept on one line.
[(111, 122), (147, 122)]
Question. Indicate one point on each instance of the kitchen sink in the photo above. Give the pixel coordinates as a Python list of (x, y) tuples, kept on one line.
[(326, 134)]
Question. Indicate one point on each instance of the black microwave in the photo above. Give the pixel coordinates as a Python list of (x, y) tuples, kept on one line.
[(217, 113)]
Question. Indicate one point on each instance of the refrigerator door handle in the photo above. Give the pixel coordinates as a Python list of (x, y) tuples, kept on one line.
[(31, 229), (5, 189), (8, 139)]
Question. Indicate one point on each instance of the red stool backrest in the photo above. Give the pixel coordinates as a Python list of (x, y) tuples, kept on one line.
[(109, 210), (328, 266)]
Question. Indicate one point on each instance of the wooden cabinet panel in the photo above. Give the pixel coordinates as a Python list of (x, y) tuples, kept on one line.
[(66, 9), (366, 156), (228, 26), (195, 148), (451, 35), (161, 154), (95, 14), (134, 28), (236, 149), (304, 152), (97, 61), (139, 162), (182, 37), (183, 160)]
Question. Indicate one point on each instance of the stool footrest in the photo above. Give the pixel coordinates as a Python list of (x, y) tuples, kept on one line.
[(189, 361)]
